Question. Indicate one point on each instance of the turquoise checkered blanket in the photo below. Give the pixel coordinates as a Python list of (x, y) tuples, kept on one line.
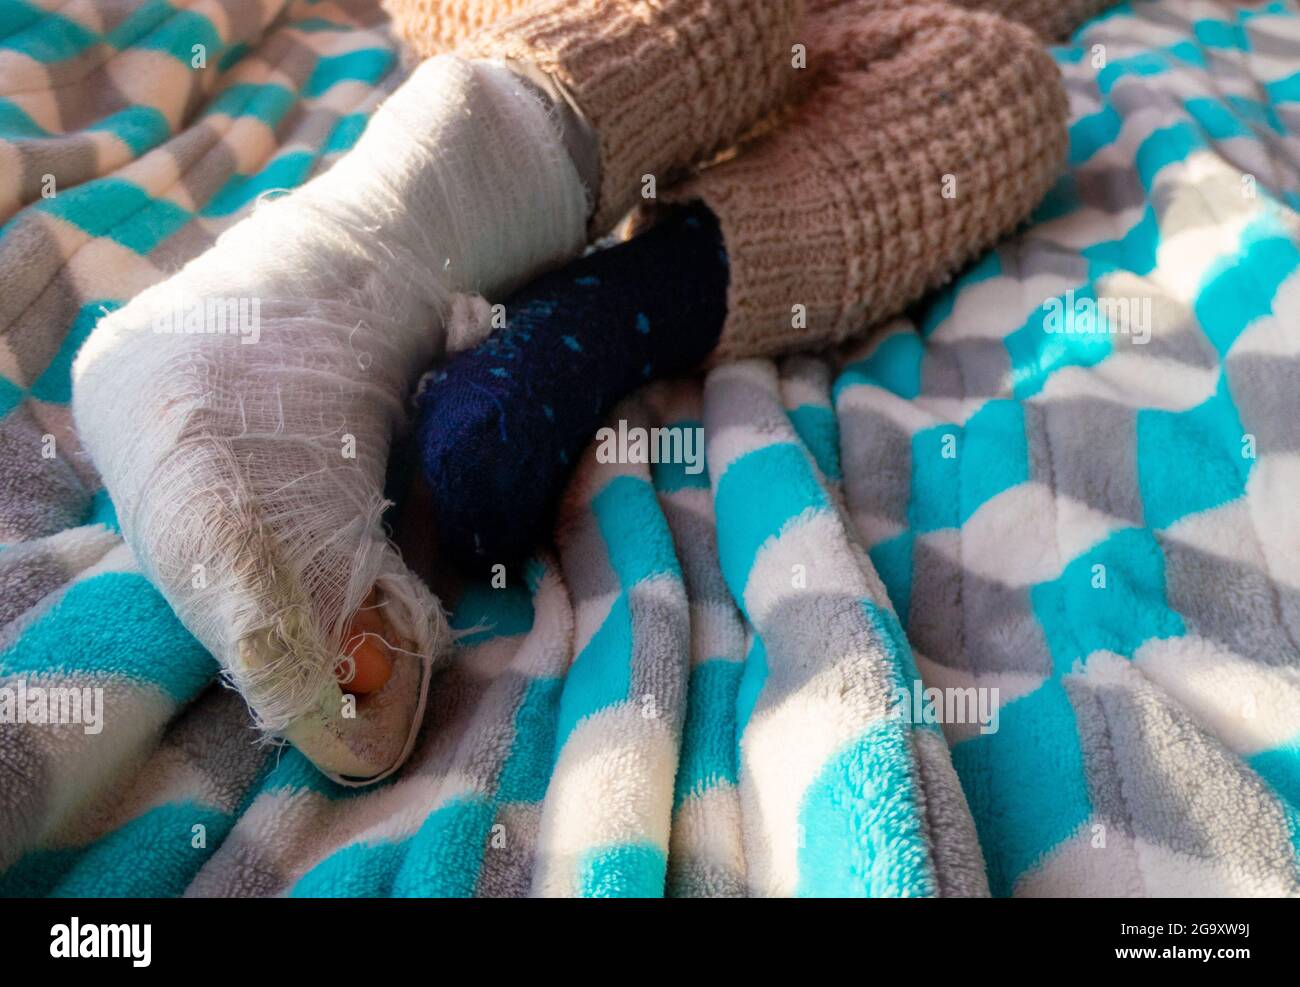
[(1005, 599)]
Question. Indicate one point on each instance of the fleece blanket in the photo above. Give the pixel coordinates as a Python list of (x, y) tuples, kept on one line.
[(1004, 600)]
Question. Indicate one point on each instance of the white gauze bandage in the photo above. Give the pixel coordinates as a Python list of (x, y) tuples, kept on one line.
[(240, 413)]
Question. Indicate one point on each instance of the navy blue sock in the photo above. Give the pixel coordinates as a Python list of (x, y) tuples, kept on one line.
[(502, 425)]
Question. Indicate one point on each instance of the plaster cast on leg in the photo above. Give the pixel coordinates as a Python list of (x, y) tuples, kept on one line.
[(247, 467)]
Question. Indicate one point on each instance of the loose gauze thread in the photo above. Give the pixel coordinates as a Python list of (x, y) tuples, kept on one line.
[(249, 478)]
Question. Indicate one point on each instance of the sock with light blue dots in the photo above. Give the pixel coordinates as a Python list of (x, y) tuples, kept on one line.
[(502, 425)]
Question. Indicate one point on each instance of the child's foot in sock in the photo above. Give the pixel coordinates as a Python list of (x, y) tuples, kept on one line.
[(817, 248), (501, 425)]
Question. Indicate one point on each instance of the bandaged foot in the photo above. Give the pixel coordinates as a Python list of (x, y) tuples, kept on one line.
[(248, 466)]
